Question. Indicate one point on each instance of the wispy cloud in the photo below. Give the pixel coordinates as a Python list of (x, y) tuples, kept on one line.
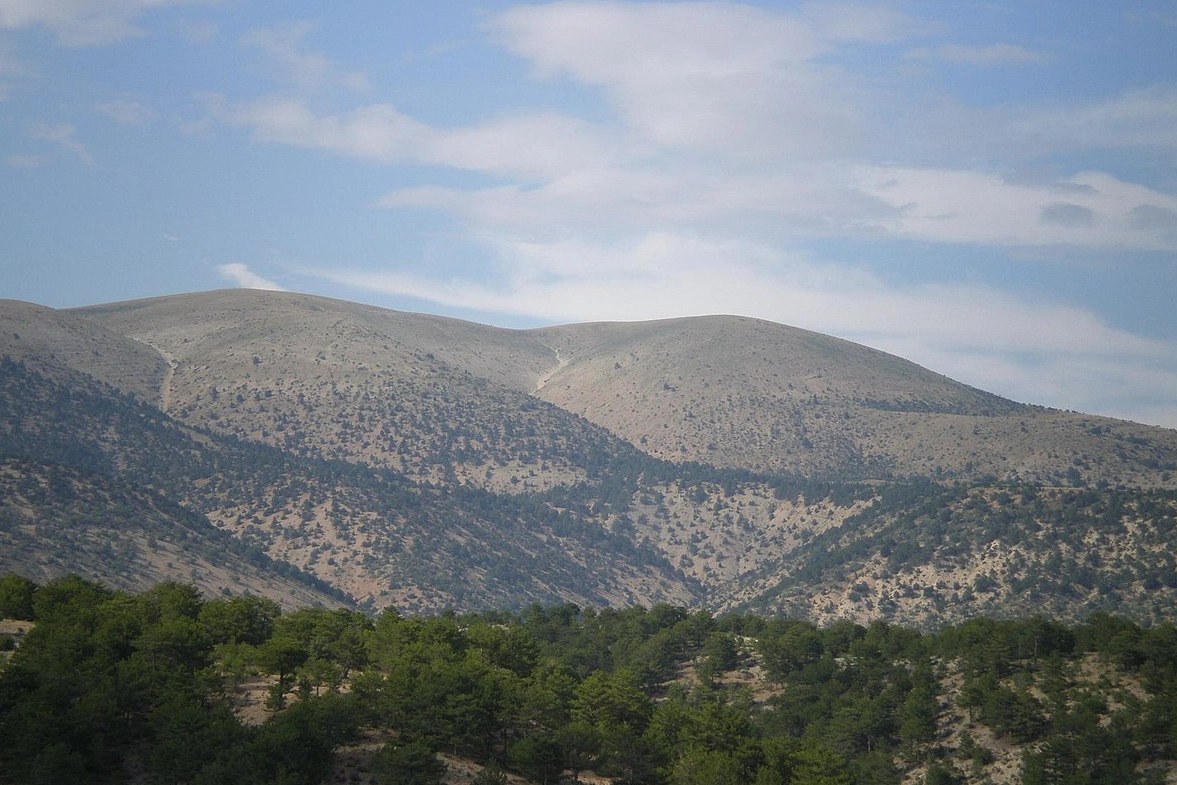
[(530, 146), (728, 80), (1029, 349), (1143, 117), (378, 131), (863, 22), (732, 136), (83, 22), (63, 136), (12, 70), (284, 49), (664, 274), (127, 110), (723, 119), (242, 276)]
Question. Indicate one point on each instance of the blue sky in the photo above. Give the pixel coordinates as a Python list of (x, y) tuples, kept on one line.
[(988, 189)]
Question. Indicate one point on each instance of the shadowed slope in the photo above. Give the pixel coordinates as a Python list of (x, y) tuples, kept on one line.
[(56, 341), (367, 532), (438, 399)]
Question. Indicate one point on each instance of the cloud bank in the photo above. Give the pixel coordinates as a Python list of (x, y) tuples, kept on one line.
[(651, 159), (734, 137)]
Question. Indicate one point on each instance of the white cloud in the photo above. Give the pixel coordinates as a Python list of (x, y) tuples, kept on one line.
[(1132, 387), (730, 121), (530, 146), (1027, 349), (663, 274), (241, 275), (309, 71), (863, 22), (604, 42), (963, 206), (10, 64), (806, 200), (728, 79), (378, 131), (940, 205), (721, 83), (83, 22), (12, 69)]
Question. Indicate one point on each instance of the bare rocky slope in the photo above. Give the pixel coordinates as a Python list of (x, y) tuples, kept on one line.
[(726, 391), (722, 462), (743, 393)]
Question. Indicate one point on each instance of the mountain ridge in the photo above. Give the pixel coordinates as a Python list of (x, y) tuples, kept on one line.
[(730, 391), (719, 462)]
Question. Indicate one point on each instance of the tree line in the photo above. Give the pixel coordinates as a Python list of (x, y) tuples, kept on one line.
[(114, 687)]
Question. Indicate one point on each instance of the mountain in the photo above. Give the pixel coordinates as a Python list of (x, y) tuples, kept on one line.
[(725, 391), (743, 393), (721, 462), (369, 533), (55, 519)]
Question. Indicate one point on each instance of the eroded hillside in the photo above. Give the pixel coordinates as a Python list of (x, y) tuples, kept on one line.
[(425, 394), (377, 537), (716, 462)]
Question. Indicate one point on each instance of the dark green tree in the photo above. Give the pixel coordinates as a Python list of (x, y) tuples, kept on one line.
[(247, 620), (16, 597), (539, 758)]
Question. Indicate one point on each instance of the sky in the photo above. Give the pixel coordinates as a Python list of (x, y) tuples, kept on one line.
[(988, 189)]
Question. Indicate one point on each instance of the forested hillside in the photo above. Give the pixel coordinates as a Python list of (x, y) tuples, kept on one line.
[(110, 687)]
